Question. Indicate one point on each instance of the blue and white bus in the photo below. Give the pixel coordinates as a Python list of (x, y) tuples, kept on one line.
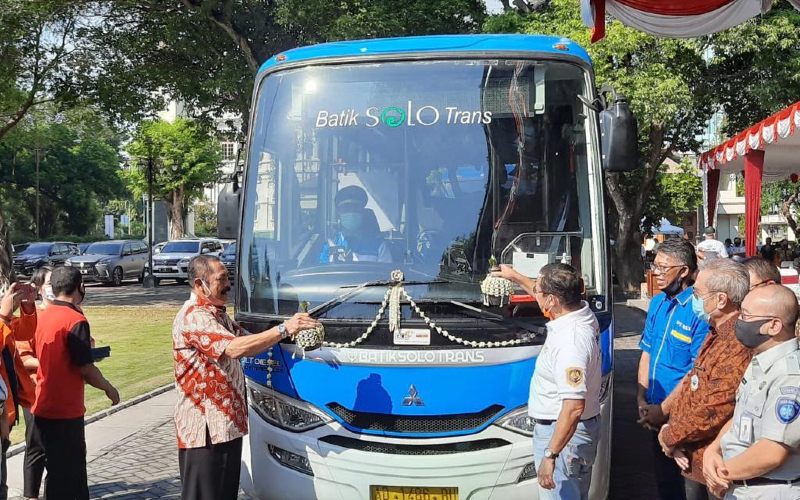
[(452, 149)]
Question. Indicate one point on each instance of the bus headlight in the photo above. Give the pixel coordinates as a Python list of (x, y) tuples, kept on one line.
[(517, 421), (285, 412)]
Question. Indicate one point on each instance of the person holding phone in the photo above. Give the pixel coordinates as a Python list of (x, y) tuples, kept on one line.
[(19, 388)]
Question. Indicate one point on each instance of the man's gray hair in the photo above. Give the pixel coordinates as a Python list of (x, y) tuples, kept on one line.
[(728, 277), (200, 267)]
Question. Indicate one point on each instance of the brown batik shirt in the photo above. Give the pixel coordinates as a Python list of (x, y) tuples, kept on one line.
[(707, 396)]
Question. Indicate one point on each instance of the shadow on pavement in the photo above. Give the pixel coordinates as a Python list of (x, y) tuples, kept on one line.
[(632, 474)]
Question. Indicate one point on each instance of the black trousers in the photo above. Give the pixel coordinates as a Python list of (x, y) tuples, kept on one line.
[(669, 481), (211, 472), (64, 444), (4, 470), (33, 468)]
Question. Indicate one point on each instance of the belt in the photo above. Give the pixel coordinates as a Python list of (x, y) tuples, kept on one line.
[(540, 421), (757, 481)]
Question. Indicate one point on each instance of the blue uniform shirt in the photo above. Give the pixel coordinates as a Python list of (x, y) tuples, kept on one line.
[(672, 336)]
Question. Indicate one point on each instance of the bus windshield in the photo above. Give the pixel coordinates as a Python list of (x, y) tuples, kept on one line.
[(427, 167)]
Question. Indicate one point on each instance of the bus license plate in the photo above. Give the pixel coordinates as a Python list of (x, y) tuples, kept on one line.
[(412, 493)]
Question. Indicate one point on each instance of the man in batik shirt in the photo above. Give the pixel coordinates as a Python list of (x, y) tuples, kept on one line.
[(211, 414)]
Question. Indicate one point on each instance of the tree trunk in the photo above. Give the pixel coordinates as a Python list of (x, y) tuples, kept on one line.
[(627, 255), (6, 267), (786, 210), (176, 214)]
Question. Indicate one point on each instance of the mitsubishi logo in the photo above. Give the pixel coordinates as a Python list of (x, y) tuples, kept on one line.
[(413, 399)]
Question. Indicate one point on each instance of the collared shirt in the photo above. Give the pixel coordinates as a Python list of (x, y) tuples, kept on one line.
[(768, 407), (63, 346), (210, 385), (673, 336), (706, 396), (568, 367)]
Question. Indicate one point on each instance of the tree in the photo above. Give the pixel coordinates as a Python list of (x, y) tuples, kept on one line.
[(755, 67), (186, 159), (674, 195), (78, 171), (205, 220), (667, 85)]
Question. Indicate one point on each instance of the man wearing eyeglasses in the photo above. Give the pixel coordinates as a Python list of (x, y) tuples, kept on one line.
[(705, 398), (762, 273), (756, 454), (671, 340)]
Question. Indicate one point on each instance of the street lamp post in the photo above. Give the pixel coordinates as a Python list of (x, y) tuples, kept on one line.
[(149, 280)]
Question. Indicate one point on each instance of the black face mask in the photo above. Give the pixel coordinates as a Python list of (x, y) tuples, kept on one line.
[(674, 287), (748, 332)]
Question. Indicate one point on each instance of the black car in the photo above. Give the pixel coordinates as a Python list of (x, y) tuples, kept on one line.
[(228, 258), (43, 254)]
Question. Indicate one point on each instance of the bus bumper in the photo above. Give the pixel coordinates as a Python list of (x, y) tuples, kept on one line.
[(343, 473)]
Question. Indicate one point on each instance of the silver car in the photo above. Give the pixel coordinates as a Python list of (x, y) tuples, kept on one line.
[(111, 261)]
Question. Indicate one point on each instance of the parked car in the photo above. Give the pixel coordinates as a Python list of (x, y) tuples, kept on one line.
[(228, 258), (112, 261), (173, 260), (226, 243), (19, 247), (41, 254)]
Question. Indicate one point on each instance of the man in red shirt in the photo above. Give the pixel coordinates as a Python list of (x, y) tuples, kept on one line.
[(65, 364), (211, 414)]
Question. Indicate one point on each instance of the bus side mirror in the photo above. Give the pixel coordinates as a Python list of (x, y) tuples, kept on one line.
[(228, 213), (618, 136)]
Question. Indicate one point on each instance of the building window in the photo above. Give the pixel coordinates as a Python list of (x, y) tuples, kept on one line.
[(229, 150)]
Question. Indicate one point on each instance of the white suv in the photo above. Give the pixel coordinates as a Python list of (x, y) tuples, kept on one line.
[(173, 260)]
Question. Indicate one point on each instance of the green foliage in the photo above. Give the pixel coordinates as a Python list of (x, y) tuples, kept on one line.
[(205, 220), (78, 171), (675, 195), (755, 67), (186, 158), (322, 20)]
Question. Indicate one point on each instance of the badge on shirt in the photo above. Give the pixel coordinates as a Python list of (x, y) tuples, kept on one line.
[(694, 382), (787, 410), (745, 429), (574, 376)]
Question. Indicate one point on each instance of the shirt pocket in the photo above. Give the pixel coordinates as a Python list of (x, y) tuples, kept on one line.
[(680, 346)]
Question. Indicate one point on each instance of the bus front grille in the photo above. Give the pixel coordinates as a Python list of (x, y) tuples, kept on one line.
[(414, 424), (409, 449)]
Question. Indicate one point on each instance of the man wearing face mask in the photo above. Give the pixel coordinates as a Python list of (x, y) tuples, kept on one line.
[(671, 340), (359, 237), (704, 399), (757, 453), (65, 366), (211, 414)]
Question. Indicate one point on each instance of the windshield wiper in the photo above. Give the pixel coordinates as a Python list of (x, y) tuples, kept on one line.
[(356, 289), (477, 312)]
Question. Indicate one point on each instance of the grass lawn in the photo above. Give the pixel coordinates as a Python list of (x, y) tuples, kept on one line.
[(141, 353)]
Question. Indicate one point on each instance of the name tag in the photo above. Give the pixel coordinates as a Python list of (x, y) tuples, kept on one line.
[(745, 429)]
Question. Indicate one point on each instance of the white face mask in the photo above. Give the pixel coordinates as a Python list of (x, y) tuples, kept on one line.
[(48, 293)]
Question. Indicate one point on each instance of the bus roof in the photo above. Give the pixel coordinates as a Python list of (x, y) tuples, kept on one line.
[(435, 43)]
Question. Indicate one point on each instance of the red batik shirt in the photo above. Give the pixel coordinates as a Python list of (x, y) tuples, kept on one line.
[(210, 385)]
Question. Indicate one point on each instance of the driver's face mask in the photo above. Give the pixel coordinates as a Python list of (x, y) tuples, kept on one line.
[(351, 221)]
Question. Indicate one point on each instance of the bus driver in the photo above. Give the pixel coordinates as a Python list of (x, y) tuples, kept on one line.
[(359, 237)]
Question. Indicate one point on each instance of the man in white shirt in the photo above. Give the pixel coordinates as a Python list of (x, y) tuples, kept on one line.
[(711, 247), (565, 390)]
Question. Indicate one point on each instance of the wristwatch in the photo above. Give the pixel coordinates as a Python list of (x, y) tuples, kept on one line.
[(548, 453), (282, 330)]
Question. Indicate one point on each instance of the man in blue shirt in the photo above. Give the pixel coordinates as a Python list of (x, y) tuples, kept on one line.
[(671, 340)]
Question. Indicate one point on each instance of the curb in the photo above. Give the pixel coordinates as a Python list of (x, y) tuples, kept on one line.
[(19, 448)]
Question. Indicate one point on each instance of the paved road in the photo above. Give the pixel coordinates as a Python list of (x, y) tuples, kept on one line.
[(631, 459), (132, 455)]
